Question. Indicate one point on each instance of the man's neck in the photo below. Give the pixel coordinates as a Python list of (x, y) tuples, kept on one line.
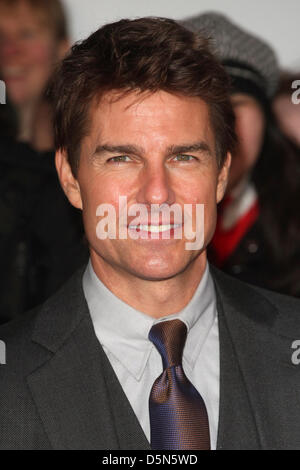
[(157, 298)]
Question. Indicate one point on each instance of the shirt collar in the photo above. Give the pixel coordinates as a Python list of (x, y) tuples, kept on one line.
[(123, 331)]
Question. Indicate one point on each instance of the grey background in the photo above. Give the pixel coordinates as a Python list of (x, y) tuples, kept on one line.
[(277, 21)]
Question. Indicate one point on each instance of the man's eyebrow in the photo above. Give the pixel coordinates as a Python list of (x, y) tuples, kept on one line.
[(133, 149), (186, 148), (119, 149)]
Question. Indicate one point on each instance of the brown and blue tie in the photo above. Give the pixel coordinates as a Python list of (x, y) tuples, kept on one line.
[(178, 415)]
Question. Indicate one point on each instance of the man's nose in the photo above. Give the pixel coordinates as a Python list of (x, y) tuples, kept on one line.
[(155, 186)]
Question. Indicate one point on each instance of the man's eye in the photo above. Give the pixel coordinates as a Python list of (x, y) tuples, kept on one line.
[(184, 158), (119, 159)]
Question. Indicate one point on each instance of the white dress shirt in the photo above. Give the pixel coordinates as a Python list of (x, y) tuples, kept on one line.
[(123, 333)]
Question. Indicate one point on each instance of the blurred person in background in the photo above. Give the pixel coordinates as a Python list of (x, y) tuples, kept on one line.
[(257, 238), (33, 39), (286, 105), (41, 236)]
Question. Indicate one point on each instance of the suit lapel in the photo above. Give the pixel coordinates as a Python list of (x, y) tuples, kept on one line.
[(237, 427), (78, 396)]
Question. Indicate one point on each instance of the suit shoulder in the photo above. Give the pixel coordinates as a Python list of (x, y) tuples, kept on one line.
[(287, 308), (30, 338), (23, 325), (16, 340), (281, 301), (20, 327)]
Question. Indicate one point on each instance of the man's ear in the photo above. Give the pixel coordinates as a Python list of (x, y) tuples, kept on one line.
[(67, 180), (223, 178)]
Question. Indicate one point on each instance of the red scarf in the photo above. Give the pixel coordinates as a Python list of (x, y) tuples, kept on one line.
[(224, 242)]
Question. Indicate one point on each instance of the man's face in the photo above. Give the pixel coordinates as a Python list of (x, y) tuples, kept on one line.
[(28, 52), (156, 149)]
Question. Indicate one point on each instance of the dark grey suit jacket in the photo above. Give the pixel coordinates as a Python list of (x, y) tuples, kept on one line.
[(58, 390)]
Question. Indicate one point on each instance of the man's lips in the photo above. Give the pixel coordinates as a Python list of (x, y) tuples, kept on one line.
[(154, 228)]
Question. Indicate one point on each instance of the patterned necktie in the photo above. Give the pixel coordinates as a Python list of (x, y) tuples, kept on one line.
[(178, 415)]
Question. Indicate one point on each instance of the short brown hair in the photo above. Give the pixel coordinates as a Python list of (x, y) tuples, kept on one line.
[(52, 10), (144, 55)]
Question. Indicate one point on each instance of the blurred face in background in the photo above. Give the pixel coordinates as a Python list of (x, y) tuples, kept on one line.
[(250, 129), (28, 51), (288, 116)]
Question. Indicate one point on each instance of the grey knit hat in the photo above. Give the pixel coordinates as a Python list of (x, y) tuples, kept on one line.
[(248, 60)]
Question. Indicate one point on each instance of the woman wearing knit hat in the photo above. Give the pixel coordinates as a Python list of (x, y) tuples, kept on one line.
[(257, 237)]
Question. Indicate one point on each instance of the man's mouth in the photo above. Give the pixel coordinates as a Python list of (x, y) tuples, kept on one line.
[(154, 228)]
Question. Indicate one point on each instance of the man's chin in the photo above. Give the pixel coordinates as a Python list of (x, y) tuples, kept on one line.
[(145, 266), (156, 277), (158, 272)]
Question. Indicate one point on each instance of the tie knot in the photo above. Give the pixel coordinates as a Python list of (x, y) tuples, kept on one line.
[(169, 338)]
